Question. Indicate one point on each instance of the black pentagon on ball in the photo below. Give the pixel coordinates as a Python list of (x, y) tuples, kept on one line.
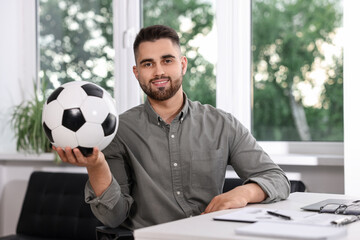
[(85, 151), (109, 124), (54, 94), (73, 119), (48, 132), (93, 90)]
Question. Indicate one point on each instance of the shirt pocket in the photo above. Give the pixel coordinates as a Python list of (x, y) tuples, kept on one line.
[(207, 169)]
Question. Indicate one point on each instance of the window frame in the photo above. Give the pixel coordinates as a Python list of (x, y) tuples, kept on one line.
[(234, 80), (233, 72), (127, 22)]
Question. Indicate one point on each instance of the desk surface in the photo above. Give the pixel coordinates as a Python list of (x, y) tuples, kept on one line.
[(204, 227)]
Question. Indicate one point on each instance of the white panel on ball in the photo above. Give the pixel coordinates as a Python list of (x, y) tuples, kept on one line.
[(90, 135), (74, 84), (106, 141), (72, 97), (110, 102), (64, 137), (94, 109), (53, 116)]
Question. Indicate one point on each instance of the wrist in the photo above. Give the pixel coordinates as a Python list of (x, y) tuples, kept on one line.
[(98, 162), (254, 193), (99, 176)]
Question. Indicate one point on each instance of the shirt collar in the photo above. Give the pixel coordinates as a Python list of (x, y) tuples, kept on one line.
[(156, 119)]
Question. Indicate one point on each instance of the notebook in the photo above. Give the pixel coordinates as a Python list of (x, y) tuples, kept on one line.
[(252, 214), (291, 231), (316, 206)]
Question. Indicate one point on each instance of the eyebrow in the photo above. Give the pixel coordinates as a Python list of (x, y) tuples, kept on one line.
[(168, 56), (146, 60), (151, 59)]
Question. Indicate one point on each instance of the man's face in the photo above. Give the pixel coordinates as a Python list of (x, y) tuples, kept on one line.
[(160, 68)]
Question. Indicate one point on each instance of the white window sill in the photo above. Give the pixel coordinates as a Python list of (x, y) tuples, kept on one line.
[(308, 160), (43, 157), (280, 159), (299, 160)]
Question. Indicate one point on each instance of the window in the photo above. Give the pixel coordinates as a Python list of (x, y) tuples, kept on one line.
[(91, 41), (235, 89), (264, 94), (297, 70), (296, 62), (194, 22), (76, 42)]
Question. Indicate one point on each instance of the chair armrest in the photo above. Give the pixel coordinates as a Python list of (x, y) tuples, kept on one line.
[(119, 233)]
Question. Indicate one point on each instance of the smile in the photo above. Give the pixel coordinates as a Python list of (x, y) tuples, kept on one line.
[(160, 83)]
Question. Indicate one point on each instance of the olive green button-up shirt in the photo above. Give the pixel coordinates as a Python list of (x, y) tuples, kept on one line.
[(164, 172)]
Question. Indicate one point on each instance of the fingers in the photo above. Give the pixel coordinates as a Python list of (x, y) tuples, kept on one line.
[(231, 199), (67, 155), (75, 157), (61, 153), (218, 203)]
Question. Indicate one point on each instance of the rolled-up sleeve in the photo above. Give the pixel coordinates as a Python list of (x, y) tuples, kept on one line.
[(105, 201), (111, 207), (253, 164)]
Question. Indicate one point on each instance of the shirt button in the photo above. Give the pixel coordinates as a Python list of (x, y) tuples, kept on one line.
[(172, 135), (175, 164), (178, 192)]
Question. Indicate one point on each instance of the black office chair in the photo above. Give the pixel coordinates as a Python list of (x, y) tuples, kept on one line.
[(54, 209), (230, 183)]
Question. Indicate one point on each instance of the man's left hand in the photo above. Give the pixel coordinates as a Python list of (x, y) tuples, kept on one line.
[(237, 198)]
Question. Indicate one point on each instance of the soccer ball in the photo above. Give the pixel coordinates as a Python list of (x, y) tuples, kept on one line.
[(80, 115)]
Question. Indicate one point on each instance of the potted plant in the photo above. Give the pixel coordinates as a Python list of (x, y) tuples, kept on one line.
[(27, 124)]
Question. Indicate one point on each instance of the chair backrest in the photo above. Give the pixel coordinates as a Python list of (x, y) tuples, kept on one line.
[(54, 207), (230, 183)]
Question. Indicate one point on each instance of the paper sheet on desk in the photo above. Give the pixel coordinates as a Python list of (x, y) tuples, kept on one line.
[(291, 231), (251, 215)]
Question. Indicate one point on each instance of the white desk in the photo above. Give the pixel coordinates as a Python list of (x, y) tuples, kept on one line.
[(204, 227)]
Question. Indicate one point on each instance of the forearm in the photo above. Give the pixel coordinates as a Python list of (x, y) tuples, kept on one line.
[(99, 177), (252, 192)]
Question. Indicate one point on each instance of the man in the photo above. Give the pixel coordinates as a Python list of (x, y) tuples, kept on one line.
[(169, 157)]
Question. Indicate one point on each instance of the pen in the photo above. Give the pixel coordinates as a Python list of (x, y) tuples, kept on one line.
[(346, 220), (279, 215)]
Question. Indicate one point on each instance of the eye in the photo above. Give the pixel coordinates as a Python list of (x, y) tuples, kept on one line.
[(147, 64), (168, 60)]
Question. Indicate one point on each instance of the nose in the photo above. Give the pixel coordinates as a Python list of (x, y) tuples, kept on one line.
[(159, 70)]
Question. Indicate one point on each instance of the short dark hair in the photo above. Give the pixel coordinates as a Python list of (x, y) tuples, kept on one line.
[(153, 33)]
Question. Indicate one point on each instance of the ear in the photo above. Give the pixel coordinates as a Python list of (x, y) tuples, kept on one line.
[(184, 63), (135, 71)]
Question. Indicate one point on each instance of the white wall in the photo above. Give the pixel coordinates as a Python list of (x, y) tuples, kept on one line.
[(17, 62), (351, 97), (8, 69)]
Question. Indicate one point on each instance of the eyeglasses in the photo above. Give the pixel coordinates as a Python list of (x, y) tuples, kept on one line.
[(337, 208)]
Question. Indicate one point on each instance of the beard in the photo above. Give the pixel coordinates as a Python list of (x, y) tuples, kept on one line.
[(162, 93)]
